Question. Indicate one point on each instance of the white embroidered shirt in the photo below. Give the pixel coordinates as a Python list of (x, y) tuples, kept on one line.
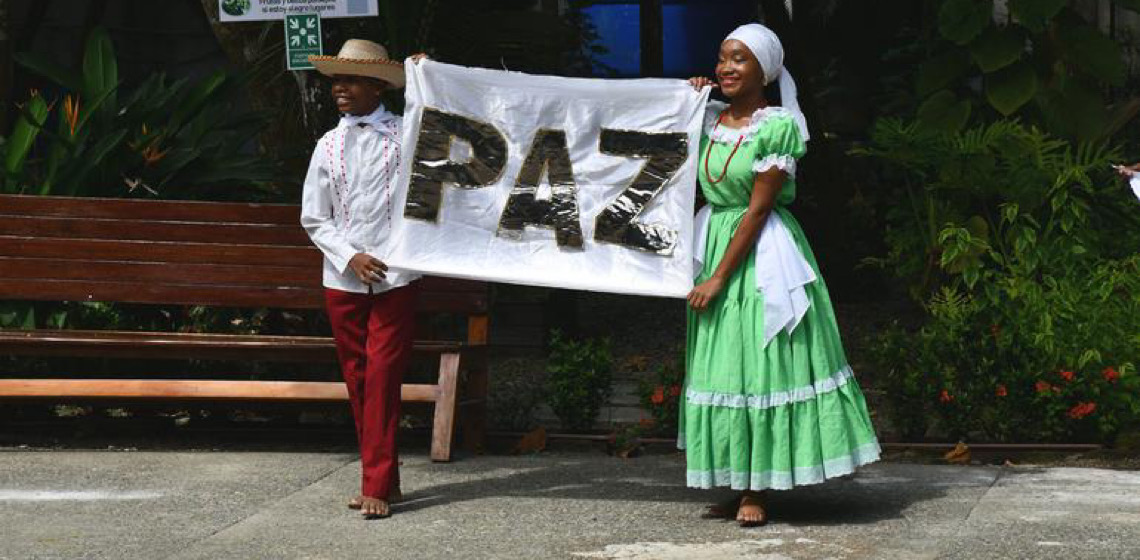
[(346, 206)]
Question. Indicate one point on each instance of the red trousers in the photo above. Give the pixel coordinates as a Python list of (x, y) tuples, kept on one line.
[(374, 335)]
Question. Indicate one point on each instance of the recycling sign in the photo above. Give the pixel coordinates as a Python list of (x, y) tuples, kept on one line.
[(302, 38)]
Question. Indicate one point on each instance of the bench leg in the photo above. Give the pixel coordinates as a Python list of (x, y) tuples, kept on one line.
[(444, 428), (475, 411)]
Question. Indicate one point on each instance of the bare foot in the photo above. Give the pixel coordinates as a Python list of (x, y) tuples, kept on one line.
[(722, 510), (394, 498), (751, 512), (374, 508)]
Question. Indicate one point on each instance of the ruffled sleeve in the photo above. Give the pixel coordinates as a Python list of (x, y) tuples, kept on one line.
[(781, 145)]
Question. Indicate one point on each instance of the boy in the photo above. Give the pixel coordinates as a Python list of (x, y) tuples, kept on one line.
[(346, 209)]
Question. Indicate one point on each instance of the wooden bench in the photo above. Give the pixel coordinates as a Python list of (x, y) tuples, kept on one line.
[(214, 254)]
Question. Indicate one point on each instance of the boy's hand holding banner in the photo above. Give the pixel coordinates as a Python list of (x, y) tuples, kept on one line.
[(561, 182)]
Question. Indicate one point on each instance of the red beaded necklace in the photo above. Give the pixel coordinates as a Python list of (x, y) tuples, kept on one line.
[(708, 152)]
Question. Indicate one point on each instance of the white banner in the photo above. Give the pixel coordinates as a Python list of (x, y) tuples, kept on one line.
[(540, 180), (258, 10)]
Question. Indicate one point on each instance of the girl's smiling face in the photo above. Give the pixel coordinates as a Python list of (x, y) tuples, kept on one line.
[(737, 70), (357, 95)]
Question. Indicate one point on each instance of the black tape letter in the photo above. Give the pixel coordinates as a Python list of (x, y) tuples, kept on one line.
[(617, 223), (432, 165), (549, 152)]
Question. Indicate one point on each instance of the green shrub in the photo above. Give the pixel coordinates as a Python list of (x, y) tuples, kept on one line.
[(581, 377), (1023, 251), (661, 396)]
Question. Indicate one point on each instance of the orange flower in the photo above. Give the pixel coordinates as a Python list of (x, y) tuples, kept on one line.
[(1081, 410), (995, 330), (658, 395), (1066, 375), (152, 155), (1001, 391), (1042, 386), (1111, 375), (675, 391), (945, 397), (71, 112), (149, 150)]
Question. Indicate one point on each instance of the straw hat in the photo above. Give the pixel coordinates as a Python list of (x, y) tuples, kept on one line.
[(361, 58)]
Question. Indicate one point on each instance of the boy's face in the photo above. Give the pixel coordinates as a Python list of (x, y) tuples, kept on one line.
[(357, 95)]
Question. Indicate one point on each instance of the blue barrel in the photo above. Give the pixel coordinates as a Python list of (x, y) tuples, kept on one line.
[(693, 31)]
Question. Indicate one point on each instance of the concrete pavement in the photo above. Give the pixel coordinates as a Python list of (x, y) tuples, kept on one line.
[(215, 505)]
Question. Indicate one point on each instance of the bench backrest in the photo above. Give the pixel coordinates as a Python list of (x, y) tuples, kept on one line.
[(195, 253)]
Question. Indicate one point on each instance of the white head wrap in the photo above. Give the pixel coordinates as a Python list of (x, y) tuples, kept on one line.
[(768, 50)]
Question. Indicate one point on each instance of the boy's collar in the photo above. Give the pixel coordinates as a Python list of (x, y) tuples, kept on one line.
[(380, 119)]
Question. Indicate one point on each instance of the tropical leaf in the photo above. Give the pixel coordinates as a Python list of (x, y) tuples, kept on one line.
[(28, 125), (944, 112), (1088, 50), (1035, 14), (45, 67), (17, 315), (1075, 111), (198, 97), (72, 180), (100, 71), (998, 47), (1009, 89), (942, 71), (961, 21), (1121, 114)]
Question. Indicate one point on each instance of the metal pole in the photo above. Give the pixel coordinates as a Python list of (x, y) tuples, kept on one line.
[(5, 67), (652, 39)]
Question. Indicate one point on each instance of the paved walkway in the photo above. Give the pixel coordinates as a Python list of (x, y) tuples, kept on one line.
[(215, 505)]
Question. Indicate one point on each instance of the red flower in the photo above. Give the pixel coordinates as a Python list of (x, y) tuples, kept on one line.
[(1081, 410), (945, 396), (1111, 375), (1001, 391), (658, 395), (675, 391), (1042, 386), (1066, 375)]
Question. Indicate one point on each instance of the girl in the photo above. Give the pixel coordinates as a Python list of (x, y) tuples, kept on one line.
[(770, 401)]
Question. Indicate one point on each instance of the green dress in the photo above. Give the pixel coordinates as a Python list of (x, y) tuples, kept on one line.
[(764, 416)]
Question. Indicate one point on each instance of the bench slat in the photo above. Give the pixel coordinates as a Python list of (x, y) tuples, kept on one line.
[(287, 297), (185, 211), (310, 391), (143, 292), (152, 251), (165, 273), (308, 277), (148, 345), (87, 228), (193, 253)]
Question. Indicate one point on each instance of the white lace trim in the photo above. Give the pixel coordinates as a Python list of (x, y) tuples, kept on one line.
[(785, 162), (771, 400), (728, 135), (785, 480)]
